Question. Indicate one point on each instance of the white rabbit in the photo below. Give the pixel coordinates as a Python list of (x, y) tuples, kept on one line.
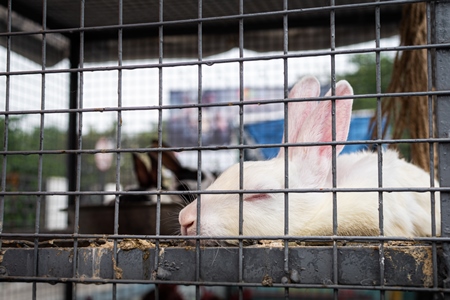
[(405, 213)]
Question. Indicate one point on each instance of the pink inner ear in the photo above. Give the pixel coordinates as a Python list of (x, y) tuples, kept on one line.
[(343, 117), (255, 197)]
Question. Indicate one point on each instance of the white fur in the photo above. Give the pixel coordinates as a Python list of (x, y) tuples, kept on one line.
[(405, 213)]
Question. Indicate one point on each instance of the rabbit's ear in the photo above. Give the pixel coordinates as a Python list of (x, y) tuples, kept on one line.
[(142, 171), (317, 127), (343, 112), (171, 162), (307, 87), (168, 160)]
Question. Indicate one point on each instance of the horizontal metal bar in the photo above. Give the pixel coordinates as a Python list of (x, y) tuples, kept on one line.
[(227, 284), (215, 18), (101, 237), (231, 192), (229, 60), (220, 104), (231, 147)]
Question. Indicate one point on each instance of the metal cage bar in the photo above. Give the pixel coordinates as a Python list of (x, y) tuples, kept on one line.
[(441, 75), (385, 268)]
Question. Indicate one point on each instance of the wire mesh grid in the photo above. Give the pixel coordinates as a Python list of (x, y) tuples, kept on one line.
[(117, 114)]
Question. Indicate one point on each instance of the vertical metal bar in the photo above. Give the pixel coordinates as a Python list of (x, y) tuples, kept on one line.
[(74, 59), (241, 151), (199, 136), (285, 148), (379, 146), (431, 130), (72, 136), (77, 122), (333, 147), (159, 162), (199, 139), (119, 112), (286, 160), (41, 147), (441, 76), (118, 137), (160, 116), (6, 121)]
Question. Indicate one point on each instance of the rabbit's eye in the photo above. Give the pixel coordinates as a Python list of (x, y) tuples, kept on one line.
[(255, 197)]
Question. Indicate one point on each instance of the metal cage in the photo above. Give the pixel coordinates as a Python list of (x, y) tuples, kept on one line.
[(90, 89)]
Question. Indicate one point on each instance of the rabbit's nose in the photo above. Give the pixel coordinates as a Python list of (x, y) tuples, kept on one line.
[(188, 219)]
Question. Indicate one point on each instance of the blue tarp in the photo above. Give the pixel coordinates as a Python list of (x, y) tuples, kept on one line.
[(267, 132), (271, 132)]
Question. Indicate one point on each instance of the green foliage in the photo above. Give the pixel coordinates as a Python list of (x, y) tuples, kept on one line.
[(27, 165), (22, 169), (364, 81)]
